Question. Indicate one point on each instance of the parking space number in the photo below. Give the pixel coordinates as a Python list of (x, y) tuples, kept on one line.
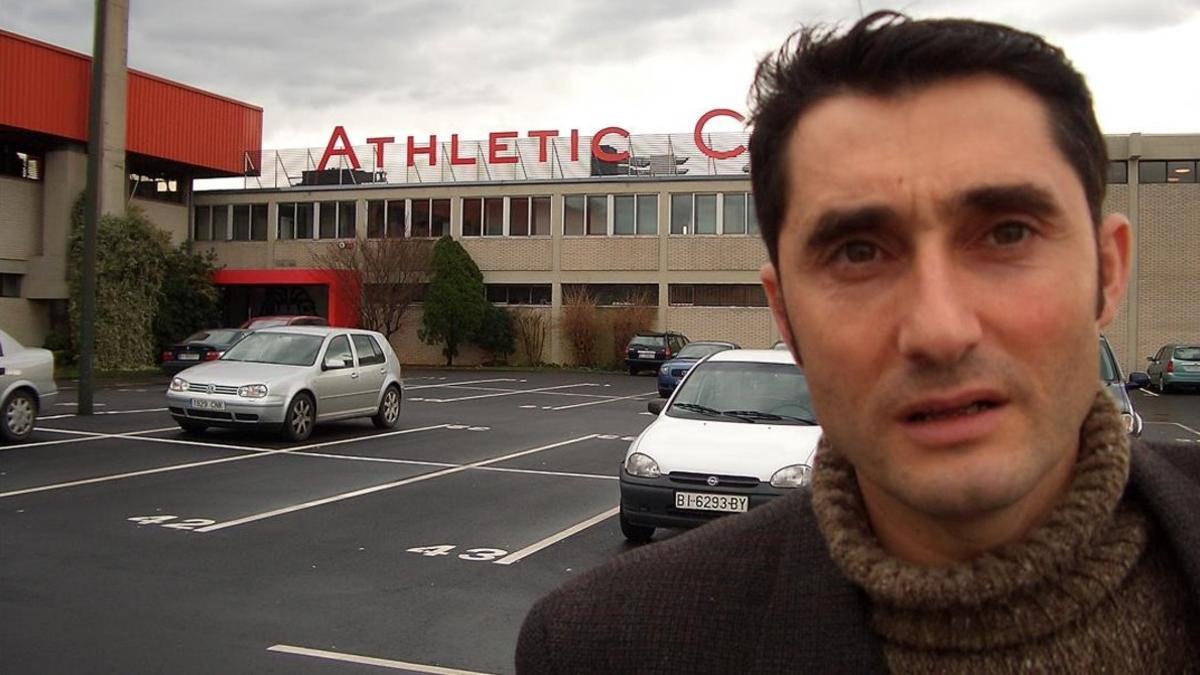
[(474, 554), (165, 521)]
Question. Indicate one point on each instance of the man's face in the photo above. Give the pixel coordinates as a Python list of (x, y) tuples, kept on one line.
[(938, 275)]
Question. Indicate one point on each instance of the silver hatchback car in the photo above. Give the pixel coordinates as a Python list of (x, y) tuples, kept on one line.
[(26, 386), (290, 378)]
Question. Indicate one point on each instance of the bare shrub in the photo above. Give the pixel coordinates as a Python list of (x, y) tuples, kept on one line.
[(532, 329), (627, 319), (388, 276), (579, 323)]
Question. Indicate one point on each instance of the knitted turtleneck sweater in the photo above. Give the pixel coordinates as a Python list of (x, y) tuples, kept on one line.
[(1093, 589)]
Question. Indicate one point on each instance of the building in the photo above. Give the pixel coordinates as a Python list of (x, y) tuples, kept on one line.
[(543, 212)]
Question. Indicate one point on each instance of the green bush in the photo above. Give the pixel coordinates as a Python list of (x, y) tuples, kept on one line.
[(454, 303), (188, 301), (496, 334)]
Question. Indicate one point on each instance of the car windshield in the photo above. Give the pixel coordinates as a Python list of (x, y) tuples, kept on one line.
[(1187, 354), (268, 323), (220, 336), (1108, 366), (699, 351), (278, 348), (731, 391), (648, 341)]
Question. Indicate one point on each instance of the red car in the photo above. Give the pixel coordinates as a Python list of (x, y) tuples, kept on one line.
[(284, 320)]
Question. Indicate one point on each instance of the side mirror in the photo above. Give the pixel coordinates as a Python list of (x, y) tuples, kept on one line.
[(1138, 380), (656, 406), (1150, 359), (333, 363)]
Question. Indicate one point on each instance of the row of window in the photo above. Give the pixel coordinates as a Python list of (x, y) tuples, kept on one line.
[(679, 295), (523, 216), (1156, 171)]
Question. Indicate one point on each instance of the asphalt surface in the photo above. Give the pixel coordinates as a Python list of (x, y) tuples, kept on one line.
[(127, 546)]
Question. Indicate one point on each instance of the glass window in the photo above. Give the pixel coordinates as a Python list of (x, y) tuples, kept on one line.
[(518, 216), (472, 217), (220, 222), (1181, 172), (202, 227), (518, 294), (395, 218), (1118, 172), (304, 220), (616, 294), (597, 214), (717, 295), (10, 285), (420, 217), (347, 215), (368, 352), (681, 214), (573, 214), (439, 218), (540, 225), (339, 349), (706, 214), (327, 215), (493, 216), (241, 222), (1152, 172), (624, 215), (751, 216), (647, 214), (258, 222), (376, 212), (287, 220), (734, 214)]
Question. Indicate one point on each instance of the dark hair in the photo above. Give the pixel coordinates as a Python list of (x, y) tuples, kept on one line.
[(886, 53)]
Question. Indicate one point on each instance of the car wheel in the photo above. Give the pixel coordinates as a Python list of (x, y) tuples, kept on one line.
[(389, 409), (298, 422), (638, 534), (633, 370), (19, 413), (190, 427), (663, 393)]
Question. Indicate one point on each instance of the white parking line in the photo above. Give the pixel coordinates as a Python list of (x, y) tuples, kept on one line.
[(39, 444), (448, 384), (548, 393), (509, 393), (555, 538), (618, 398), (370, 661), (71, 403), (103, 412), (1148, 392), (386, 486), (254, 453), (1181, 426)]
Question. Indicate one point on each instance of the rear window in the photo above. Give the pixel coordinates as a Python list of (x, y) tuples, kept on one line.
[(653, 341), (694, 351), (1187, 354)]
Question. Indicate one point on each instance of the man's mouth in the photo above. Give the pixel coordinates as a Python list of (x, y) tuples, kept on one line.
[(934, 414)]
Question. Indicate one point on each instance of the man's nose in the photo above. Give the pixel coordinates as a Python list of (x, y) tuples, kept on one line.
[(939, 324)]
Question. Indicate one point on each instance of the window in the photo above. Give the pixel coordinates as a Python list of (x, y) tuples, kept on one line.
[(518, 294), (337, 219), (376, 212), (20, 162), (420, 218), (396, 217), (1181, 171), (717, 295), (1152, 172), (249, 222), (1118, 172), (573, 207), (439, 217), (635, 214), (202, 224), (155, 187), (602, 215), (258, 222), (408, 217), (241, 222), (722, 213), (10, 285), (472, 217), (339, 350), (616, 294), (220, 223), (597, 215), (647, 214), (295, 220), (369, 352)]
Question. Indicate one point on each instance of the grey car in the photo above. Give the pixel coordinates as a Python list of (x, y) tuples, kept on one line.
[(26, 386), (289, 379), (1110, 377)]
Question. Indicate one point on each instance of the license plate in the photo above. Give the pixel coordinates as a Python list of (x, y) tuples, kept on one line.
[(205, 404), (1191, 369), (699, 501), (645, 355), (189, 357)]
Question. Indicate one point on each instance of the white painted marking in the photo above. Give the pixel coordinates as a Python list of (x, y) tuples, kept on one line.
[(98, 405), (1149, 393), (527, 407), (547, 407), (1181, 426), (648, 413), (414, 399), (39, 444), (479, 428), (542, 472), (104, 412), (628, 438), (510, 393), (555, 538), (609, 437), (434, 386), (618, 398), (387, 486), (369, 660), (255, 452)]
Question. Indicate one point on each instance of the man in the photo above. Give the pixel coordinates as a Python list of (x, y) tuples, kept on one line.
[(929, 193)]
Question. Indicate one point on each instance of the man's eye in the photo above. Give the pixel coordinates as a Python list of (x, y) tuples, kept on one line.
[(858, 252), (1009, 233)]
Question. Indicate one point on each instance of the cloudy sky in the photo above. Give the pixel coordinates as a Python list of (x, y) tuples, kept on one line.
[(420, 67)]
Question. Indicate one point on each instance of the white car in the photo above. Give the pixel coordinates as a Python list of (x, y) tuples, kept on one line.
[(26, 386), (738, 431), (289, 379)]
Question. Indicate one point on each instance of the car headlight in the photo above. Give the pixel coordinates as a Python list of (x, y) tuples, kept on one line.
[(664, 369), (179, 384), (794, 476), (641, 465), (253, 391)]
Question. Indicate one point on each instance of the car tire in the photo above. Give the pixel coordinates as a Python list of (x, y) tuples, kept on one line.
[(18, 416), (300, 417), (663, 393), (633, 370), (638, 534), (389, 409), (192, 428)]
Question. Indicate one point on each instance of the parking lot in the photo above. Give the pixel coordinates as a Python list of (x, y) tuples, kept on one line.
[(127, 546)]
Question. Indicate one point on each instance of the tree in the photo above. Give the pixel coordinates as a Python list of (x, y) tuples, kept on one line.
[(390, 275), (188, 299), (455, 303), (496, 332)]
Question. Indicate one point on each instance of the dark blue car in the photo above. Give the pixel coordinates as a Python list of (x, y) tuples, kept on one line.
[(671, 372)]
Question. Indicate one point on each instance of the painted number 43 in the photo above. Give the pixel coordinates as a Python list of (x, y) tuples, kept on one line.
[(477, 554)]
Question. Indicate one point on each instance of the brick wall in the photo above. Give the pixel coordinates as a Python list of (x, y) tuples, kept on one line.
[(26, 320), (609, 253), (167, 216), (511, 253), (20, 218), (718, 252), (1169, 265), (750, 327)]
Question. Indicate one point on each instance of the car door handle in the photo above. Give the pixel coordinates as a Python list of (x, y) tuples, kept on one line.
[(354, 376), (383, 371)]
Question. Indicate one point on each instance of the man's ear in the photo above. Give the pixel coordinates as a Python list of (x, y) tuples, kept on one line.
[(774, 290), (1114, 243)]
